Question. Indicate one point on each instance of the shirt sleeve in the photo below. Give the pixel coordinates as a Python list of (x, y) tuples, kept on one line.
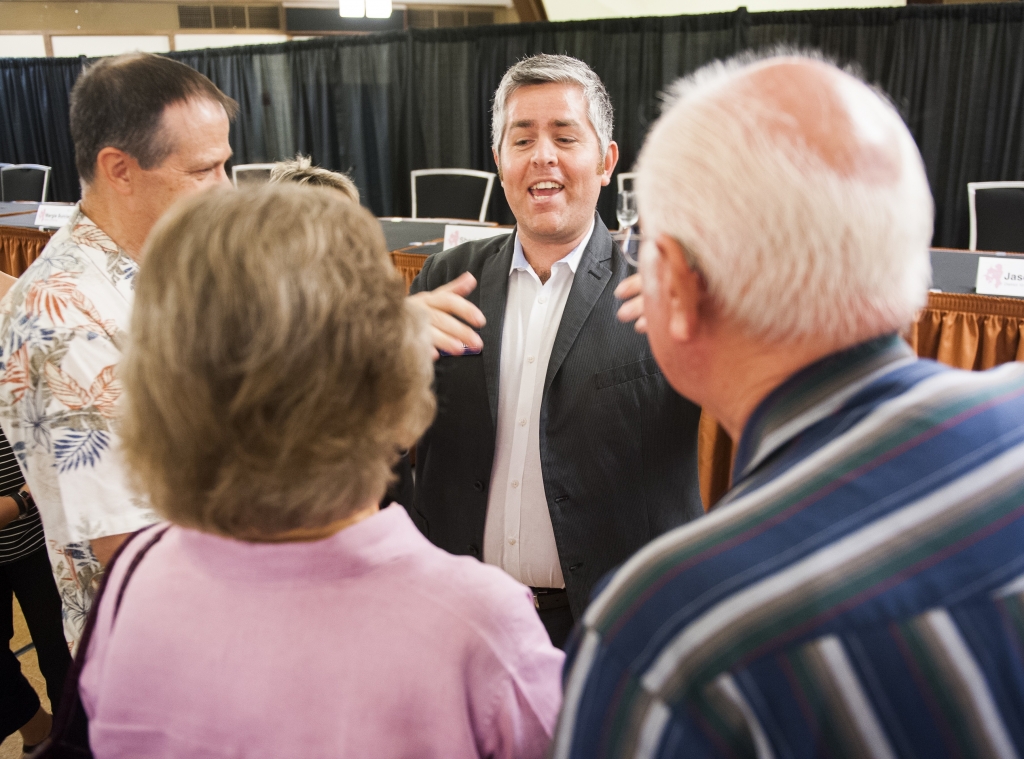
[(78, 392), (526, 700)]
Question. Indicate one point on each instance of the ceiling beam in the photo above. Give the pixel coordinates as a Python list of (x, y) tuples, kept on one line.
[(530, 10)]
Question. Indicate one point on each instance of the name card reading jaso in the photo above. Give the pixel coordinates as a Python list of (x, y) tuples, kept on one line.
[(456, 234), (1000, 276), (53, 215)]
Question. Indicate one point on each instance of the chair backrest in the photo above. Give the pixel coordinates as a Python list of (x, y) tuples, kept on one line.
[(997, 216), (451, 193), (24, 181), (251, 174), (626, 176)]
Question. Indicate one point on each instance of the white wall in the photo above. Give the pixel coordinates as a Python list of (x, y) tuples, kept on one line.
[(200, 41), (98, 45), (22, 46), (568, 10)]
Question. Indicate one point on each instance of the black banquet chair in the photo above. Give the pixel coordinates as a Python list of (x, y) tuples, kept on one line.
[(451, 193), (997, 216), (24, 182)]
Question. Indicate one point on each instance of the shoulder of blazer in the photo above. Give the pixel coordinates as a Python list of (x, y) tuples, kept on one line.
[(446, 265)]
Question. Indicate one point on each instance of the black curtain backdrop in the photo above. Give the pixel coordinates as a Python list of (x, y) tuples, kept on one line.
[(381, 105), (34, 95)]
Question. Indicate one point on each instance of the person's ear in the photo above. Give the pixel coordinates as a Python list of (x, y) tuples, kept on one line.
[(682, 288), (117, 169), (607, 167), (497, 162)]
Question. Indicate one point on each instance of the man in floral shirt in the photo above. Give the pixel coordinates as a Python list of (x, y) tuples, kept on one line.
[(147, 131)]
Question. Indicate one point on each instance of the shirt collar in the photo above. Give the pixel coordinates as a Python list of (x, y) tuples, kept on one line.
[(572, 258), (813, 393), (85, 234)]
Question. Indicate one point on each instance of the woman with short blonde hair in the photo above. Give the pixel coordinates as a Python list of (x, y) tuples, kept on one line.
[(302, 171), (275, 369), (277, 360)]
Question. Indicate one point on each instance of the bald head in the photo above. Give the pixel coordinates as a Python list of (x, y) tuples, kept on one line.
[(816, 107), (800, 194)]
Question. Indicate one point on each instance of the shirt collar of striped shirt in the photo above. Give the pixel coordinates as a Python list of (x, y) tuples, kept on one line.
[(813, 393)]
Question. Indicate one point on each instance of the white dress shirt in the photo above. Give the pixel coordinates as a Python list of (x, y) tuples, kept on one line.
[(518, 536)]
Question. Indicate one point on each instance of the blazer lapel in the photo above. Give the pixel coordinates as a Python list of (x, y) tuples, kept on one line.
[(591, 278), (493, 287)]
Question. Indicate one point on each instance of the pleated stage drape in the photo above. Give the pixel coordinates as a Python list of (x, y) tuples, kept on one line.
[(379, 106), (965, 331)]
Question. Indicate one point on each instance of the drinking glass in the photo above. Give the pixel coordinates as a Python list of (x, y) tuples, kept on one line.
[(626, 211)]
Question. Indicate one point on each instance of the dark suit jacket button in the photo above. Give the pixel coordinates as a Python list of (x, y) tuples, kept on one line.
[(473, 549), (561, 498), (574, 567), (478, 485)]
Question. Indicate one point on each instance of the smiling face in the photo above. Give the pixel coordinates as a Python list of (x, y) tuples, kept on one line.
[(551, 165), (197, 130)]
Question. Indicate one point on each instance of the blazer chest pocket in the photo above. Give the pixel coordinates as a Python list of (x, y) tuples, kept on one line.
[(619, 375)]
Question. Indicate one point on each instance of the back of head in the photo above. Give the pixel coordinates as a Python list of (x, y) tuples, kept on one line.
[(118, 102), (799, 193), (274, 369), (554, 69), (302, 171)]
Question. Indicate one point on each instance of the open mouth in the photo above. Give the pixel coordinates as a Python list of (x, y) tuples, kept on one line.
[(546, 189)]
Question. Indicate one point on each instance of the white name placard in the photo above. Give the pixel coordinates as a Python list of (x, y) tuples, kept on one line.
[(53, 215), (456, 234), (1000, 276)]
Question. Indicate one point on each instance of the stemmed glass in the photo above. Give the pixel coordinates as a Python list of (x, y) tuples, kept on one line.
[(628, 214)]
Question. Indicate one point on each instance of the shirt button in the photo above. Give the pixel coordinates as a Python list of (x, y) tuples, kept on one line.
[(542, 300), (515, 483), (530, 359), (511, 541), (522, 422)]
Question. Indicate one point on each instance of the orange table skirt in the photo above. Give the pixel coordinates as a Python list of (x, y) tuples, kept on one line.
[(409, 264), (19, 247)]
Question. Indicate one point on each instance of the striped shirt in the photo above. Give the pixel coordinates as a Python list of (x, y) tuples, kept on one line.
[(25, 534), (858, 593)]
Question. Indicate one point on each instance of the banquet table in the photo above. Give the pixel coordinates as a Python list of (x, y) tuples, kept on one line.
[(20, 241), (410, 241)]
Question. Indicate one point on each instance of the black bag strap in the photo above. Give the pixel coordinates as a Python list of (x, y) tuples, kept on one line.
[(69, 736)]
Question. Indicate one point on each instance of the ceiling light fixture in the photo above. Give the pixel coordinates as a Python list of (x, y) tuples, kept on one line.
[(378, 8), (352, 8)]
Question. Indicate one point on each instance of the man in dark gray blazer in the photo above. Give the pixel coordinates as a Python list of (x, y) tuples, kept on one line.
[(558, 449)]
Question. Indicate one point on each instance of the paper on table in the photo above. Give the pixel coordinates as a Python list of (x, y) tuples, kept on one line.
[(456, 234), (1000, 276), (53, 215)]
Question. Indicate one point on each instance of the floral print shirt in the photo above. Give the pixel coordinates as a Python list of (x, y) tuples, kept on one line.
[(62, 330)]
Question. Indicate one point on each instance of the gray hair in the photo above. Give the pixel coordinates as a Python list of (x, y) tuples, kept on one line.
[(789, 248), (555, 69)]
